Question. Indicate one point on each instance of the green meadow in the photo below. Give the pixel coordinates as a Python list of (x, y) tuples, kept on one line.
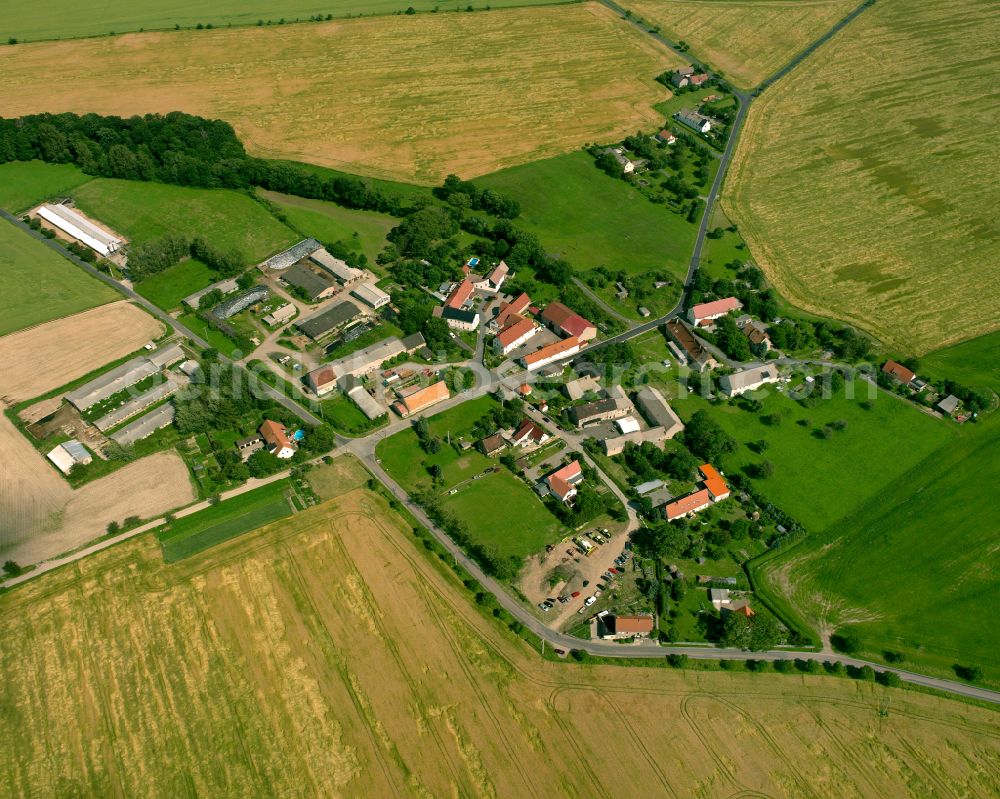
[(24, 184), (39, 284), (145, 211), (498, 508), (167, 288), (912, 567), (591, 219)]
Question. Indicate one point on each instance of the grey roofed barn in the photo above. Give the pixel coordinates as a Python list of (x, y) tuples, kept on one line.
[(312, 283), (241, 302), (145, 425), (123, 376), (319, 324), (292, 255), (227, 286)]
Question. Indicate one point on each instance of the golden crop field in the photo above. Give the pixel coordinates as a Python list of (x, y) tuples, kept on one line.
[(865, 181), (326, 656), (747, 40), (410, 97)]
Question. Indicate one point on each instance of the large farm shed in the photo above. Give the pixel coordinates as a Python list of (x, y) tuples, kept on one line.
[(227, 286), (145, 425), (170, 386), (292, 255), (319, 324), (123, 376), (79, 227), (241, 302)]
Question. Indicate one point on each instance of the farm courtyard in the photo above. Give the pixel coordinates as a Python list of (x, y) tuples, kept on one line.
[(383, 679), (411, 98)]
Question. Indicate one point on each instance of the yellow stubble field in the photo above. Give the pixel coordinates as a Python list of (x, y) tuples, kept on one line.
[(408, 97), (747, 40), (865, 181), (325, 655)]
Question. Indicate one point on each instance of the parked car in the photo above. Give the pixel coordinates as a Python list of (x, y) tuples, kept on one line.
[(590, 600), (575, 594)]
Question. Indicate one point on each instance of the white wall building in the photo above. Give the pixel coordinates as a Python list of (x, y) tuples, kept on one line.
[(79, 227)]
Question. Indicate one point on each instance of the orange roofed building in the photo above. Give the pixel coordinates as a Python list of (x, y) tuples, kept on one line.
[(421, 399), (276, 439), (713, 482), (552, 352), (563, 482), (687, 505)]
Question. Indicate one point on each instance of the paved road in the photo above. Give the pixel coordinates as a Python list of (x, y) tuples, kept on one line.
[(183, 330)]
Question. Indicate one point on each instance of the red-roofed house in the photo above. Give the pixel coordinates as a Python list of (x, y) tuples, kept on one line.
[(666, 136), (509, 310), (740, 608), (529, 434), (567, 322), (562, 482), (322, 381), (276, 439), (898, 372), (713, 482), (628, 626), (553, 352), (514, 335), (707, 311), (495, 279), (685, 506), (459, 295)]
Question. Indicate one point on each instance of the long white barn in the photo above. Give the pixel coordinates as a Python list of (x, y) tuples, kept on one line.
[(77, 226)]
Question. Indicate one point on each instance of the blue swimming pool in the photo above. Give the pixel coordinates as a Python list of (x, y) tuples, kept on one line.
[(298, 435)]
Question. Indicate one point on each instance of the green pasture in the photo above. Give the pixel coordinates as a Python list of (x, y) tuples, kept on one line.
[(145, 211), (24, 184), (39, 284), (818, 480), (167, 288), (364, 231), (206, 528), (591, 219)]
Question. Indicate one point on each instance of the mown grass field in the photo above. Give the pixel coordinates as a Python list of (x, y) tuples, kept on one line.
[(24, 184), (910, 567), (384, 679), (409, 97), (591, 219), (364, 231), (39, 284), (816, 480), (145, 211), (68, 19), (499, 509), (167, 288), (901, 240), (192, 534), (747, 40)]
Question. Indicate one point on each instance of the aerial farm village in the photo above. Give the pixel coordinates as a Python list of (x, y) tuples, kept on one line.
[(306, 404)]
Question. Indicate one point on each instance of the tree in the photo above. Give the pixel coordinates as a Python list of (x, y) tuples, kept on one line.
[(846, 640), (706, 439), (968, 673), (113, 528), (756, 634), (11, 568)]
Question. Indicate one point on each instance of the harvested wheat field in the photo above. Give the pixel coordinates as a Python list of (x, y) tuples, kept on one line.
[(326, 656), (410, 97), (747, 40), (873, 199), (45, 357), (40, 515)]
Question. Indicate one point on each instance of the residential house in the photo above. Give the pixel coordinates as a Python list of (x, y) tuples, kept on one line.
[(696, 354), (508, 311), (421, 399), (514, 335), (713, 482), (718, 597), (709, 311), (492, 445), (548, 354), (602, 410), (692, 119), (748, 379), (276, 439), (898, 372), (627, 165), (529, 434), (461, 295), (458, 318), (496, 277), (371, 295), (687, 505), (562, 482), (619, 627), (566, 322), (760, 341), (680, 77), (315, 285), (698, 78), (667, 137), (741, 607), (323, 380)]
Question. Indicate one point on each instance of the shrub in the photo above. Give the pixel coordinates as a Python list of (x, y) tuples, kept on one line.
[(677, 661), (846, 640), (968, 673)]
